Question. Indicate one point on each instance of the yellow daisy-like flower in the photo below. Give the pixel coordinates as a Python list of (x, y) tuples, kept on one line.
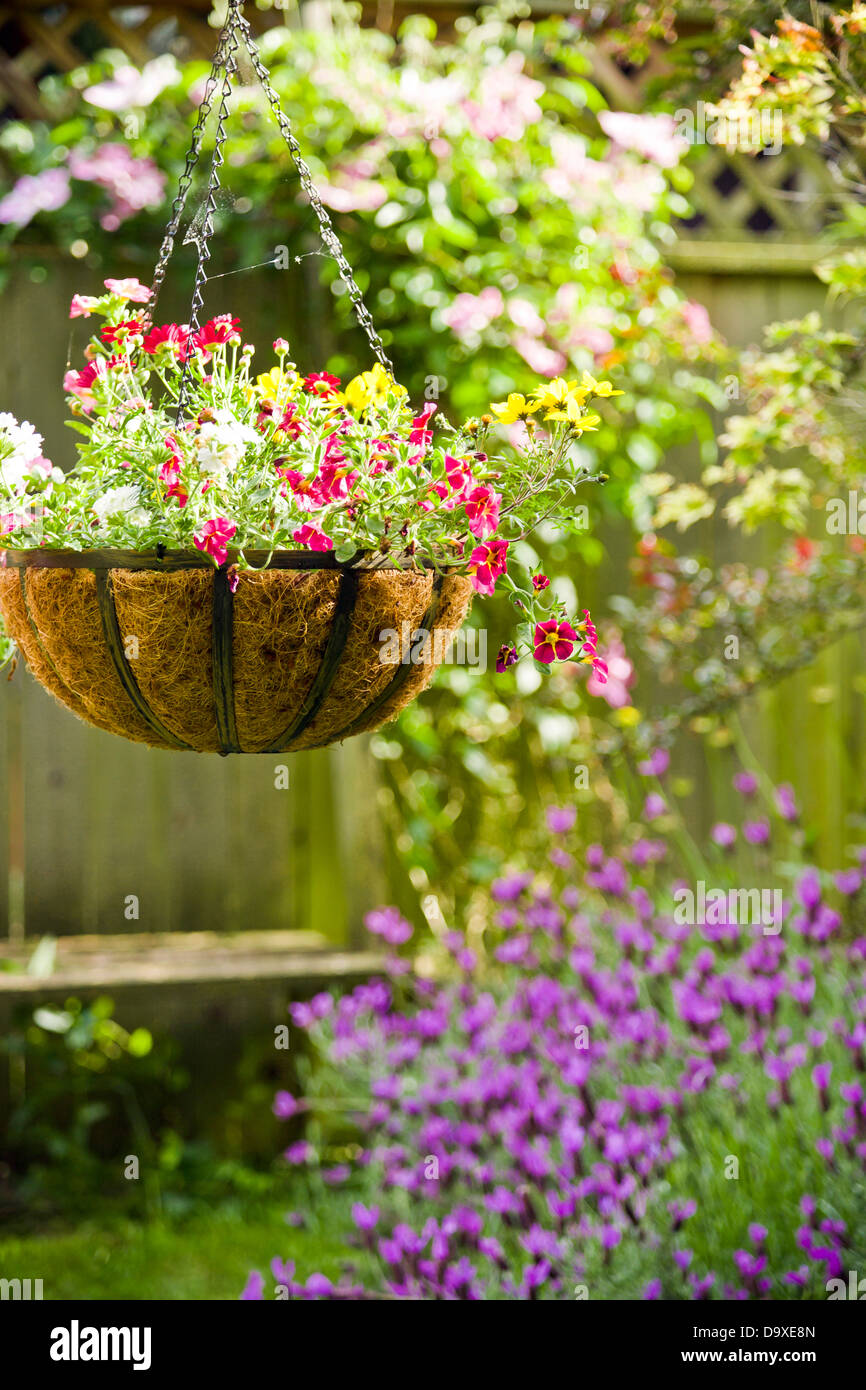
[(515, 408), (371, 388), (275, 385), (556, 393), (572, 411), (585, 423), (598, 388)]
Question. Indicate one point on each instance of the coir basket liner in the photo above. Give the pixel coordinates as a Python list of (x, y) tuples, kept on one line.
[(159, 649)]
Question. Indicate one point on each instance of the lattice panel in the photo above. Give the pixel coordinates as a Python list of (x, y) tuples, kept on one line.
[(38, 39), (738, 197)]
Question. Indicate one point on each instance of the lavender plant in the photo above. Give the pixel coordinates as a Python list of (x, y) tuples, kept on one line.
[(596, 1097)]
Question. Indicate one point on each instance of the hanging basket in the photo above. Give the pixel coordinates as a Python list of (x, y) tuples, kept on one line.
[(168, 651)]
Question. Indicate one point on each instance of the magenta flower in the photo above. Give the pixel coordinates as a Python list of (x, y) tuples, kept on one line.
[(745, 783), (656, 765), (487, 563), (785, 802), (654, 806), (285, 1105), (311, 535), (560, 818), (388, 923), (482, 511), (848, 881), (756, 832), (213, 538), (506, 656), (614, 690), (554, 640), (723, 835)]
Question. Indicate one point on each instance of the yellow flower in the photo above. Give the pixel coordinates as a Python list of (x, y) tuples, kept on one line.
[(598, 388), (585, 423), (573, 412), (515, 408), (627, 717), (557, 392), (275, 385), (371, 388)]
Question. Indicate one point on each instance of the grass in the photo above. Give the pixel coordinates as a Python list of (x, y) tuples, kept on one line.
[(206, 1256)]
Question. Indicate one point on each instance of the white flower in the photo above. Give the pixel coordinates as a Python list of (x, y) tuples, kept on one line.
[(221, 444), (20, 453), (122, 501)]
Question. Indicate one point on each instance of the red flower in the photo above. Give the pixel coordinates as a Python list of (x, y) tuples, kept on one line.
[(171, 335), (80, 381), (486, 564), (117, 332), (169, 473), (419, 433), (321, 384), (216, 332), (213, 538), (554, 640), (288, 424), (539, 582)]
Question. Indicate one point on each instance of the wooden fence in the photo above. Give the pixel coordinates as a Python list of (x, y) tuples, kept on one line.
[(105, 836)]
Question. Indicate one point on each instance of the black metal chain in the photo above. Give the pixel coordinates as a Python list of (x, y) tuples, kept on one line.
[(326, 226), (192, 158), (236, 27), (229, 69)]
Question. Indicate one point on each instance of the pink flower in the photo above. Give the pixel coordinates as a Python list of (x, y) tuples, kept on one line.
[(213, 538), (554, 640), (482, 509), (313, 537), (128, 87), (508, 101), (487, 563), (524, 315), (697, 321), (82, 306), (620, 676), (654, 137), (542, 359), (132, 183), (130, 289), (33, 193), (472, 313), (540, 582), (355, 195)]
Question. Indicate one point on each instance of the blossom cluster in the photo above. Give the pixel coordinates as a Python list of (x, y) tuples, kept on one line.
[(560, 1108), (184, 445)]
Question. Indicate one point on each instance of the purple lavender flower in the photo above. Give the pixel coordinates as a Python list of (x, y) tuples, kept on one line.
[(656, 765)]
